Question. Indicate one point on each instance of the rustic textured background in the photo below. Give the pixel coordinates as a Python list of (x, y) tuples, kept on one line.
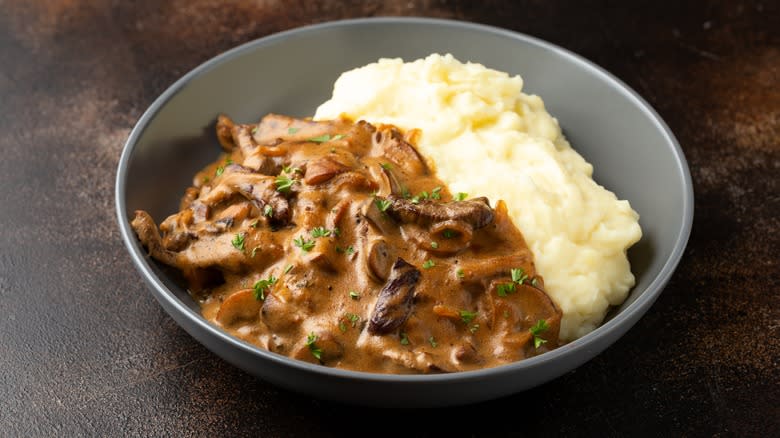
[(85, 349)]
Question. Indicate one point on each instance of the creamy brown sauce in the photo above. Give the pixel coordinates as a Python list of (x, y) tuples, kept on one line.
[(334, 243)]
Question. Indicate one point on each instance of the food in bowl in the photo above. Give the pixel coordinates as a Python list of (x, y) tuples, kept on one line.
[(483, 135), (334, 242)]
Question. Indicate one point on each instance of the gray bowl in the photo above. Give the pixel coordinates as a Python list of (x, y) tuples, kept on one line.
[(631, 148)]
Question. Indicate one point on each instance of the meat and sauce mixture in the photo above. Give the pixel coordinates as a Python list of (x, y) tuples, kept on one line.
[(335, 243)]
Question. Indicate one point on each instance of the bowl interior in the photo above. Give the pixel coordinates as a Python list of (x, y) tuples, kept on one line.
[(291, 73)]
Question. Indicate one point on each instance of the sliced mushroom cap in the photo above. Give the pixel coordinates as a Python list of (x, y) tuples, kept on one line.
[(379, 259), (322, 170), (395, 299), (225, 132), (239, 309), (474, 212), (393, 146)]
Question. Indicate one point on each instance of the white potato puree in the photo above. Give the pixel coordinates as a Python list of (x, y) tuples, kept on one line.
[(486, 138)]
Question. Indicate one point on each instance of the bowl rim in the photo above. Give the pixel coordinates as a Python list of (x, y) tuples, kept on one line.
[(621, 322)]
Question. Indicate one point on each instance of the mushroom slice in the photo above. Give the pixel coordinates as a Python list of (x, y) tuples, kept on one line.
[(379, 259), (395, 299), (322, 170), (474, 212), (392, 145), (225, 132), (239, 309)]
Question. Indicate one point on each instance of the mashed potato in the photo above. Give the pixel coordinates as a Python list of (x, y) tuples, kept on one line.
[(486, 138)]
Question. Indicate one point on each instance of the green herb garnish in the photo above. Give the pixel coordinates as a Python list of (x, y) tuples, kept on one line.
[(433, 342), (383, 204), (460, 273), (292, 130), (261, 286), (436, 193), (353, 318), (518, 275), (238, 241), (467, 316), (284, 183), (404, 339), (460, 196), (320, 232), (354, 295), (288, 269), (320, 138), (473, 329), (448, 234), (506, 288), (428, 264), (540, 327), (268, 210), (434, 245), (305, 245), (311, 343), (219, 171), (386, 166)]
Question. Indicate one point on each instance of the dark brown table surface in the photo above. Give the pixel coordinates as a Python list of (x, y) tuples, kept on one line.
[(86, 350)]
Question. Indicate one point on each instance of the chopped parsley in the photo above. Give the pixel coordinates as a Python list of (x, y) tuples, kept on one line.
[(404, 339), (320, 232), (434, 245), (238, 241), (535, 282), (288, 269), (311, 343), (354, 295), (261, 286), (518, 278), (436, 193), (433, 342), (518, 275), (268, 210), (325, 137), (460, 196), (219, 171), (386, 166), (292, 130), (254, 130), (305, 245), (540, 327), (284, 183), (467, 316), (342, 326), (353, 318), (428, 264), (460, 273), (254, 251), (506, 288), (288, 169), (254, 223), (420, 196), (448, 234), (382, 204), (348, 250)]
